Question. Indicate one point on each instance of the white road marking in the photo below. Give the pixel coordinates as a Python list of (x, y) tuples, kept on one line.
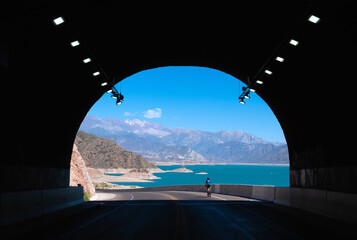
[(219, 198), (132, 197), (102, 196)]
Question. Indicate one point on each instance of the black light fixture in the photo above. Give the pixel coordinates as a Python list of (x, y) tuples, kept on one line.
[(245, 94), (120, 99)]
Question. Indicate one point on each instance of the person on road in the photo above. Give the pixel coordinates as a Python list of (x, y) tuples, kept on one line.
[(208, 187), (208, 183)]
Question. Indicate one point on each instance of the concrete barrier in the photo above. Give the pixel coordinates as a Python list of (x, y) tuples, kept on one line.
[(336, 205), (17, 206), (341, 206)]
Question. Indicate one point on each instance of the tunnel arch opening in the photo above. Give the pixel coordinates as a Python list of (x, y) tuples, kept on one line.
[(168, 96)]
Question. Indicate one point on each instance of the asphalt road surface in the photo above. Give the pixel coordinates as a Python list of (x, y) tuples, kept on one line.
[(179, 215)]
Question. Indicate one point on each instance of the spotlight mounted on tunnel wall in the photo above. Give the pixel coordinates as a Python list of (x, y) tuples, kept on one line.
[(245, 94), (115, 94), (120, 99)]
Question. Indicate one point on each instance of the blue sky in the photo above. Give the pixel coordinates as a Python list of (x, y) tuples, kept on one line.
[(190, 97)]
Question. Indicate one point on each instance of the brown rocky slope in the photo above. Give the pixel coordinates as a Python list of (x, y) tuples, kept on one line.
[(105, 153), (79, 173)]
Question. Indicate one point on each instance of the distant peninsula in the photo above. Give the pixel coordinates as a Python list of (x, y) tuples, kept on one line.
[(181, 170)]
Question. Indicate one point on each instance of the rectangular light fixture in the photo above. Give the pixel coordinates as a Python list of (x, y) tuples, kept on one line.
[(294, 42), (268, 72), (104, 84), (314, 19), (96, 74), (58, 21), (87, 60), (74, 43), (279, 59), (252, 90), (259, 81)]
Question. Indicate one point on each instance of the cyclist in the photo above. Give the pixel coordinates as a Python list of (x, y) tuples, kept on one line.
[(208, 187)]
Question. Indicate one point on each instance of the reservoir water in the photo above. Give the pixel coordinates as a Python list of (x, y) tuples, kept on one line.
[(221, 174)]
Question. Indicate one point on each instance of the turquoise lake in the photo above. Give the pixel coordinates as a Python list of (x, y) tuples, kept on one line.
[(221, 174)]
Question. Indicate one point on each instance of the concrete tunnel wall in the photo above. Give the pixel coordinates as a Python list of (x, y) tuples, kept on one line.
[(52, 90)]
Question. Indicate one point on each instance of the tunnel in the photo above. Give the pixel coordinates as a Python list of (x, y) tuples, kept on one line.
[(48, 89)]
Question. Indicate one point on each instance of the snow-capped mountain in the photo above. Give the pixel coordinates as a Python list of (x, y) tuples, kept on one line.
[(163, 143)]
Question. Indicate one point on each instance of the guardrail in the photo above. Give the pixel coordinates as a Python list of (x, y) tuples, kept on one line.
[(336, 205)]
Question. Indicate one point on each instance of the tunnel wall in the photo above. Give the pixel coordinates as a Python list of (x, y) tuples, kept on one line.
[(17, 206)]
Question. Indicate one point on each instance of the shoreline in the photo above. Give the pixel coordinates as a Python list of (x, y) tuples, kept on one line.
[(213, 164), (100, 176)]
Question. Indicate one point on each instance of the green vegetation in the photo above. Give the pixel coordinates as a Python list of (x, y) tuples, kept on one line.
[(86, 196), (101, 185)]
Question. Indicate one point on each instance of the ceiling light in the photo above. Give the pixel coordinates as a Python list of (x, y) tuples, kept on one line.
[(279, 59), (247, 96), (104, 84), (294, 42), (259, 81), (87, 60), (314, 19), (109, 91), (241, 101), (268, 72), (58, 21), (96, 74), (74, 44), (252, 90)]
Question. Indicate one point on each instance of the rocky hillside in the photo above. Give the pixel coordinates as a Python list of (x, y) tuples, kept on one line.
[(79, 173), (105, 153)]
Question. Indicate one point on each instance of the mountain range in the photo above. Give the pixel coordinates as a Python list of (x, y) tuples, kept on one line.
[(160, 143)]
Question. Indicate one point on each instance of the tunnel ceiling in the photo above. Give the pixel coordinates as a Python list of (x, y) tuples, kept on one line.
[(240, 36)]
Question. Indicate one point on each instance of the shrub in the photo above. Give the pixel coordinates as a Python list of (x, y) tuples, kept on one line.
[(86, 196)]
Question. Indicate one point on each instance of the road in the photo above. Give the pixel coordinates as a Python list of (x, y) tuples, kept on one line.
[(180, 215)]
